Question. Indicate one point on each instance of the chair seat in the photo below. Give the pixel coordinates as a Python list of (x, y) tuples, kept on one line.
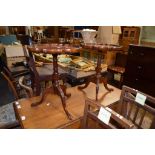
[(7, 116), (47, 70), (117, 69)]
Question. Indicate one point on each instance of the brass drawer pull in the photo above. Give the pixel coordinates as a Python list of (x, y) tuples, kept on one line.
[(139, 67)]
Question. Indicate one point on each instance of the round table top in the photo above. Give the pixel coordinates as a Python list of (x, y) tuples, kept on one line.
[(102, 47), (54, 48)]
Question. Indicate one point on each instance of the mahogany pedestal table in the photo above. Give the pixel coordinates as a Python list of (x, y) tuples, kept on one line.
[(55, 50), (98, 78)]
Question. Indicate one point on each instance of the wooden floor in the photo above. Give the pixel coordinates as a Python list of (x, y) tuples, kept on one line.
[(50, 113)]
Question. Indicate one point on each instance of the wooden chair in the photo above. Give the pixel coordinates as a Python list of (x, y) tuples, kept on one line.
[(11, 78), (118, 67), (91, 120), (11, 82), (7, 120), (41, 74), (142, 116)]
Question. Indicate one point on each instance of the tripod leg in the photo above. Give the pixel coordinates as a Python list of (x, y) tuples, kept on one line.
[(62, 96), (104, 81), (47, 91)]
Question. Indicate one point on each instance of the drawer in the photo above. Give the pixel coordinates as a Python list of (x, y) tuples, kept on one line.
[(141, 54), (143, 85), (146, 71)]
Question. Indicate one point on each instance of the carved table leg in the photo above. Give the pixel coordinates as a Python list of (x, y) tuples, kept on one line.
[(47, 91), (63, 99), (90, 79), (104, 81), (97, 86), (56, 89), (63, 87), (97, 78)]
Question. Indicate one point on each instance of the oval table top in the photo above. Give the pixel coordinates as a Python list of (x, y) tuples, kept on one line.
[(102, 47), (54, 48)]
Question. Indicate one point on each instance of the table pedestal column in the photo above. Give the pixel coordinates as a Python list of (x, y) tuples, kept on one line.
[(56, 88), (97, 78)]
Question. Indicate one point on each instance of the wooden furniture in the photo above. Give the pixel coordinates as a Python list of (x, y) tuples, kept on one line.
[(141, 115), (139, 71), (91, 112), (38, 75), (50, 114), (118, 68), (4, 70), (55, 50), (130, 35), (98, 78), (11, 84), (42, 73)]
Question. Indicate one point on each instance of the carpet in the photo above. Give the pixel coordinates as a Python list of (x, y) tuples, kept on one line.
[(7, 116)]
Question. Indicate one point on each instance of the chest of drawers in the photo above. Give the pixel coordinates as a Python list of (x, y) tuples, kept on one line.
[(140, 69)]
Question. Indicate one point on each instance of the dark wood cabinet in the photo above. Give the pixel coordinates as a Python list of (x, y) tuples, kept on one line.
[(140, 69), (130, 35)]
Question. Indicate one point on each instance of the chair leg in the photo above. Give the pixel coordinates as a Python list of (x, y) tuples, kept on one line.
[(121, 82), (38, 88)]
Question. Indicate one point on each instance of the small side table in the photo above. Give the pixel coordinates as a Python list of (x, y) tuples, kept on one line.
[(97, 78), (55, 50)]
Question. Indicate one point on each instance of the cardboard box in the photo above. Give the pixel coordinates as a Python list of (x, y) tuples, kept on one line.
[(14, 53)]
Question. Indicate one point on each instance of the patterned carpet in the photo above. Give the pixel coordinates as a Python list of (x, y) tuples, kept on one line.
[(6, 95), (7, 116)]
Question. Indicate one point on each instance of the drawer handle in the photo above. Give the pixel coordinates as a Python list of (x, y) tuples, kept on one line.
[(139, 67), (131, 52)]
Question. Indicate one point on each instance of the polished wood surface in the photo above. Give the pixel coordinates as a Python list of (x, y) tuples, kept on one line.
[(55, 50), (98, 78), (102, 47), (51, 113), (142, 116), (139, 70), (91, 112)]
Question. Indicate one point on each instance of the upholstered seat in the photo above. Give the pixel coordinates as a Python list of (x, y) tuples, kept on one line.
[(47, 70), (118, 67), (7, 117), (41, 74)]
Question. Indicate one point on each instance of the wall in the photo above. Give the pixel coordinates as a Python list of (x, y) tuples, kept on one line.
[(148, 34)]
